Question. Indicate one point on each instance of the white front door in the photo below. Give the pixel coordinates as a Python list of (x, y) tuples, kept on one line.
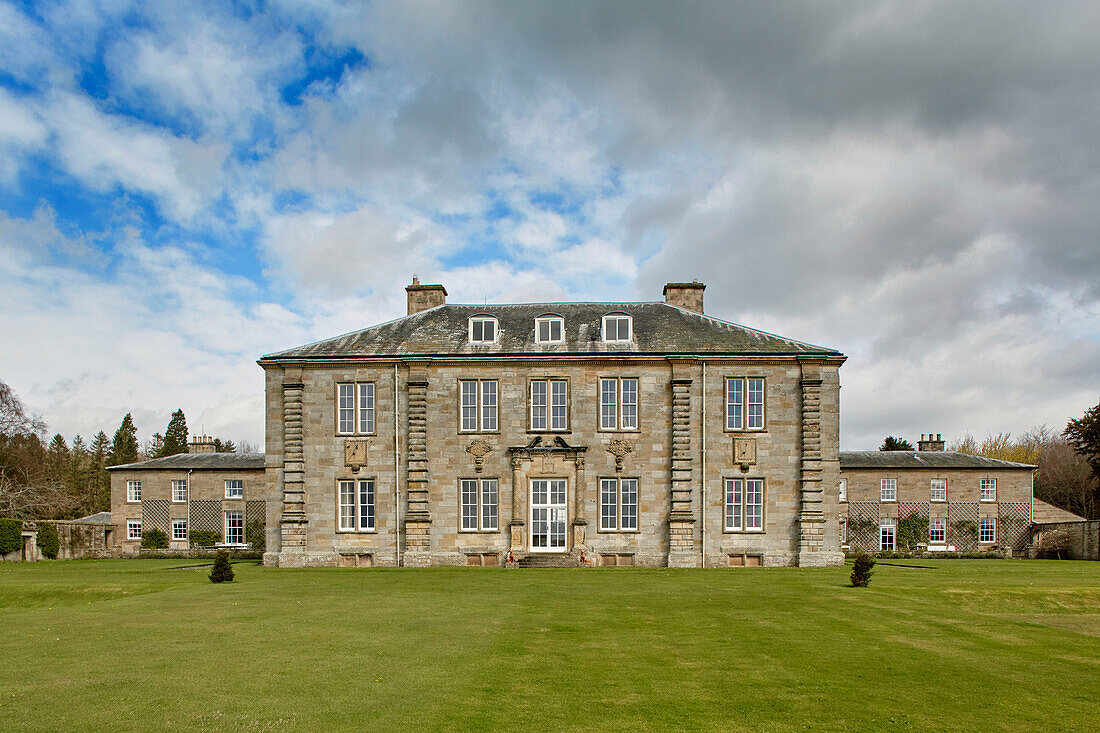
[(548, 515)]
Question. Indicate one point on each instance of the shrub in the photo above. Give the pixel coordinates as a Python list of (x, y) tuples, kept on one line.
[(11, 535), (154, 539), (222, 570), (254, 535), (204, 537), (48, 541), (861, 570)]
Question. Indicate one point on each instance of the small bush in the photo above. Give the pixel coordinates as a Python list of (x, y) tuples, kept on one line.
[(861, 570), (11, 537), (154, 539), (222, 571), (254, 535), (204, 537), (48, 542)]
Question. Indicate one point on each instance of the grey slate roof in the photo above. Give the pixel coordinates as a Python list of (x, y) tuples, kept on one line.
[(921, 459), (199, 462), (659, 328)]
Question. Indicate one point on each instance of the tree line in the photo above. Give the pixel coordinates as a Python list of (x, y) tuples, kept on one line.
[(62, 480)]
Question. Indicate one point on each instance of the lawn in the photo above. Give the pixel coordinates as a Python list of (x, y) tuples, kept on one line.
[(931, 645)]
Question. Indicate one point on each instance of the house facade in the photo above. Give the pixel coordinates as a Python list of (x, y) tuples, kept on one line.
[(197, 491), (961, 502), (560, 434)]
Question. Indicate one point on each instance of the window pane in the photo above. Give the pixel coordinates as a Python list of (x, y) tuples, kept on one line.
[(489, 405), (630, 403), (489, 504), (469, 405), (754, 504), (734, 403), (366, 408), (733, 503), (346, 408), (557, 405), (366, 504), (756, 404), (347, 505), (469, 504), (608, 501), (607, 404), (538, 405), (629, 506)]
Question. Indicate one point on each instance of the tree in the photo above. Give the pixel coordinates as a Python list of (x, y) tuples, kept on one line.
[(175, 435), (1084, 435), (222, 570), (124, 446), (892, 443)]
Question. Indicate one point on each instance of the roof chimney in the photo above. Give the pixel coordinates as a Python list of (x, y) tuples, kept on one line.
[(423, 297), (201, 444), (686, 295), (929, 442)]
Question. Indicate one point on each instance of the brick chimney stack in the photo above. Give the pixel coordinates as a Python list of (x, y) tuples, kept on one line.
[(201, 444), (927, 443), (423, 297), (686, 295)]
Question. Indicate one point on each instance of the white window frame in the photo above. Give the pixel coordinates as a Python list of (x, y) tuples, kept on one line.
[(629, 329), (613, 414), (888, 490), (133, 529), (355, 408), (482, 320), (987, 489), (361, 510), (935, 490), (888, 524), (133, 491), (941, 523), (549, 404), (238, 491), (486, 418), (179, 491), (842, 490), (740, 412), (236, 513), (989, 523), (549, 321), (176, 525), (478, 504), (619, 504), (743, 503)]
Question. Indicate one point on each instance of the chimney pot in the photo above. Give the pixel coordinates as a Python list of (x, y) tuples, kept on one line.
[(423, 297), (685, 295)]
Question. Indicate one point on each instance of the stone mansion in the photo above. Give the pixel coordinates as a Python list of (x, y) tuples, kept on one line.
[(553, 434)]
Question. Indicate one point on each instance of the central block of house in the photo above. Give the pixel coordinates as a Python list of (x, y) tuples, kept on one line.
[(554, 434)]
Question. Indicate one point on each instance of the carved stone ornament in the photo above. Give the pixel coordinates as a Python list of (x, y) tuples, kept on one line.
[(479, 449), (744, 452), (355, 453), (619, 448)]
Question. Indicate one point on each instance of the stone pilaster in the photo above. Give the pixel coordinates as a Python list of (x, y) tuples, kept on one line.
[(418, 519), (681, 520), (293, 521), (811, 518)]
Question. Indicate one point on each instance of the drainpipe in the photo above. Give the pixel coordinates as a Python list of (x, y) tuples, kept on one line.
[(396, 474), (703, 470)]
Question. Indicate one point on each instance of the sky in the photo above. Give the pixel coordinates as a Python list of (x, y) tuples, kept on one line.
[(185, 187)]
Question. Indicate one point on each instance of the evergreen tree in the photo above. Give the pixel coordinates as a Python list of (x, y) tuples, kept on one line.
[(124, 446), (175, 435), (892, 443), (101, 487)]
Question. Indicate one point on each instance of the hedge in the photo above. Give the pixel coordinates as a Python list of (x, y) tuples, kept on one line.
[(11, 535)]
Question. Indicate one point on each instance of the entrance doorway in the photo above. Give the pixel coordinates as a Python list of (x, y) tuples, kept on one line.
[(548, 515)]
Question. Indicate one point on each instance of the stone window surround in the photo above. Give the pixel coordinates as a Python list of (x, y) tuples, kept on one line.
[(745, 404), (355, 410), (481, 529), (530, 406), (480, 397), (549, 318), (356, 515), (600, 529), (619, 405), (763, 504)]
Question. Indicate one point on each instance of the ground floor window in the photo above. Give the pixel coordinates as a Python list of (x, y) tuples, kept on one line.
[(886, 533), (133, 529), (479, 498), (744, 505), (619, 504), (356, 511), (179, 529), (987, 530), (234, 528), (937, 531)]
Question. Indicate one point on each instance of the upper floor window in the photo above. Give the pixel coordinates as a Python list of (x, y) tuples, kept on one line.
[(619, 404), (478, 408), (744, 505), (133, 491), (939, 489), (745, 403), (549, 398), (617, 327), (549, 330), (179, 490), (989, 489), (483, 330), (355, 408), (234, 488), (888, 489)]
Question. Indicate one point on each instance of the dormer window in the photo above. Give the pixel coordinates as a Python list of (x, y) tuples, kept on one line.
[(617, 328), (483, 330), (549, 330)]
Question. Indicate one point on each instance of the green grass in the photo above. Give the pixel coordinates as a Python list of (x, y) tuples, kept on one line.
[(963, 645)]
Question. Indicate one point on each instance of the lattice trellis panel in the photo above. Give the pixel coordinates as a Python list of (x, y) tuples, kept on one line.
[(206, 515), (962, 525), (154, 515), (255, 511), (863, 519), (1014, 524)]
